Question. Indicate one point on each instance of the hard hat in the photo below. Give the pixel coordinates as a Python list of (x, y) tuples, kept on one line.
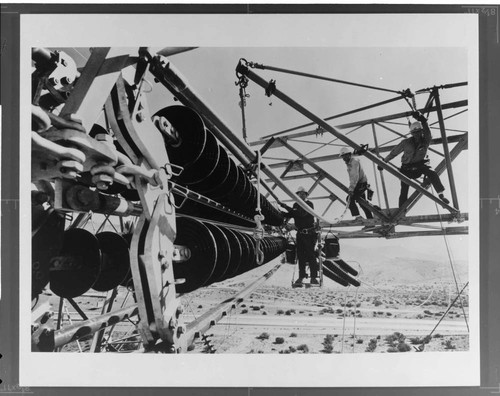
[(301, 189), (344, 151), (416, 126)]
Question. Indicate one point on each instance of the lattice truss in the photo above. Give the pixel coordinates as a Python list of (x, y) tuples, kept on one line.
[(372, 139)]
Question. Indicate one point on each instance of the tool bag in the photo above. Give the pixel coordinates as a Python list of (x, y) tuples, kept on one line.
[(291, 251), (332, 245)]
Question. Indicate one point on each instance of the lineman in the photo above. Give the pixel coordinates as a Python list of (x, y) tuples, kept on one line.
[(358, 183), (306, 237), (414, 161)]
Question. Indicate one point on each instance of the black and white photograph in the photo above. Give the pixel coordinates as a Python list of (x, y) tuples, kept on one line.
[(250, 187)]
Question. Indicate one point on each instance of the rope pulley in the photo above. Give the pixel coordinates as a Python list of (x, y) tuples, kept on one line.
[(319, 131), (407, 94), (271, 88)]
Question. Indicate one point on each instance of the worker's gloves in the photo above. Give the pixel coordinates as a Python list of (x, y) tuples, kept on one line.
[(284, 205), (418, 116), (379, 167)]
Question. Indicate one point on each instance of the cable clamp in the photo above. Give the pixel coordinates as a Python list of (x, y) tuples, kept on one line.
[(271, 88), (319, 131)]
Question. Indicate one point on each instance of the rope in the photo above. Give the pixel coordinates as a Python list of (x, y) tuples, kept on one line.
[(381, 292), (354, 324), (227, 332), (443, 316), (259, 229), (264, 67), (427, 299), (451, 261), (343, 321), (376, 183), (339, 219)]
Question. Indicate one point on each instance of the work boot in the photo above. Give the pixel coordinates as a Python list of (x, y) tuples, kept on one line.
[(299, 282), (444, 199), (314, 281)]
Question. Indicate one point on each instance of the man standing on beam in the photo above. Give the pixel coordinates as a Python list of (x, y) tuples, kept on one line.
[(414, 160), (358, 184)]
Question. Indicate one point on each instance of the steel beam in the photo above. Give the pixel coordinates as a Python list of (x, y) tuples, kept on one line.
[(409, 220), (451, 105), (335, 116), (172, 79), (328, 206), (287, 169), (208, 319), (377, 152), (106, 308), (391, 169), (316, 183), (95, 83), (317, 174), (382, 149), (298, 177), (91, 326), (332, 179), (449, 168), (407, 234), (404, 136), (310, 198), (462, 230)]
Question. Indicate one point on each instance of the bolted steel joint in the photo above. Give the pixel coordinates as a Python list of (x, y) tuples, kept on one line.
[(140, 117), (172, 324), (180, 330), (162, 258)]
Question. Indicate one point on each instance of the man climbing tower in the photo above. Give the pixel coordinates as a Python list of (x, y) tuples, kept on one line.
[(414, 161)]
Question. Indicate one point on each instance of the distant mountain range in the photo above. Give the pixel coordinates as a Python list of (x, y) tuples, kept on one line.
[(377, 267), (403, 265)]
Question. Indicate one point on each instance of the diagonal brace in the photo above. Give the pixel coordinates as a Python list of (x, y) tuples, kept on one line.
[(332, 179), (459, 147)]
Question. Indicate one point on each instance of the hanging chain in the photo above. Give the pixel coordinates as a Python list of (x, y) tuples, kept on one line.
[(243, 84)]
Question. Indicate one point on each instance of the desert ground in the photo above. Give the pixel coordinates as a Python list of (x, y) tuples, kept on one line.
[(276, 318), (401, 306)]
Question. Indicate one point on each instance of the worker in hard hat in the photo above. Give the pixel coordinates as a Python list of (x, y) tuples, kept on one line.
[(414, 161), (358, 183), (306, 237)]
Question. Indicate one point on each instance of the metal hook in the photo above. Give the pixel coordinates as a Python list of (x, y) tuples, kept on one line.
[(180, 168)]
